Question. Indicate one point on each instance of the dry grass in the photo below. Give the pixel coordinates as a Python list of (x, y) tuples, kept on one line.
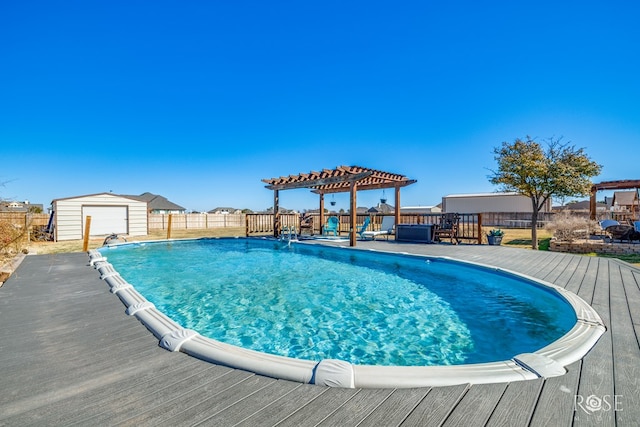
[(76, 245), (521, 238)]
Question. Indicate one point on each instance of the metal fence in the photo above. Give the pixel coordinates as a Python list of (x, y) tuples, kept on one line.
[(515, 219)]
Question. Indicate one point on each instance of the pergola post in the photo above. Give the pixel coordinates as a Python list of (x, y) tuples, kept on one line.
[(321, 219), (592, 204), (397, 202), (352, 210), (276, 213)]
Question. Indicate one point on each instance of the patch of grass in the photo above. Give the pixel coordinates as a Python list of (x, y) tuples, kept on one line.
[(630, 258), (521, 238), (76, 245), (518, 242)]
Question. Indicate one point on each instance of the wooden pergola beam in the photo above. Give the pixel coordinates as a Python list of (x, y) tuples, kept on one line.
[(624, 184), (310, 183), (362, 187)]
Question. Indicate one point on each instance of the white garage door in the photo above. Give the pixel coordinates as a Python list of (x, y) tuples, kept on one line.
[(106, 219)]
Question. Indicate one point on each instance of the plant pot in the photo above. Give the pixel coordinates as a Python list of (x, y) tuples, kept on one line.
[(494, 240)]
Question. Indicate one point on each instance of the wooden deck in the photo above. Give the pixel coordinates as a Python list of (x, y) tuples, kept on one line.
[(70, 356)]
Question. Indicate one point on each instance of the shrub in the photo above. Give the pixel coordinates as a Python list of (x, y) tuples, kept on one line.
[(568, 228), (12, 238)]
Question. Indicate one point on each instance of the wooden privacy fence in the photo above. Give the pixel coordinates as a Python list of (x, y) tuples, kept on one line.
[(23, 224), (470, 223), (195, 221), (263, 223), (23, 218), (470, 227)]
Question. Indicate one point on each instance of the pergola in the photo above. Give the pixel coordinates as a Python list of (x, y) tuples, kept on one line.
[(609, 185), (342, 179)]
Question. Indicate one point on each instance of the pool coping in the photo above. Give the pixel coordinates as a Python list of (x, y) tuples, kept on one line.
[(550, 361)]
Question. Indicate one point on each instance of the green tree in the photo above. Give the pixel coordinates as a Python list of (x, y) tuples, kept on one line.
[(540, 173)]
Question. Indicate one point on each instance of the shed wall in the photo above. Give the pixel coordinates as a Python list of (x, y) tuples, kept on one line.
[(489, 203), (68, 214)]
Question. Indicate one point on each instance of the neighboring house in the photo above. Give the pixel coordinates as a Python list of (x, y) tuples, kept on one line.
[(489, 202), (110, 213), (363, 210), (625, 201), (583, 205), (225, 211), (158, 204), (383, 208), (25, 206), (420, 209), (280, 210)]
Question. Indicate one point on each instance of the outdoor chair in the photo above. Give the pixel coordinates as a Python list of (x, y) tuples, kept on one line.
[(362, 229), (306, 225), (448, 227), (621, 232), (603, 227), (332, 225), (388, 223)]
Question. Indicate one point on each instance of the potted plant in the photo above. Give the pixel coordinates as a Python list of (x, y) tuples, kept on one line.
[(494, 237)]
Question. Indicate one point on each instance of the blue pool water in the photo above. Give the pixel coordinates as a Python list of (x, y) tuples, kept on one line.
[(315, 302)]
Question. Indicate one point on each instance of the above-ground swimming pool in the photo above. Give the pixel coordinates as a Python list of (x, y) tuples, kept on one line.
[(348, 314)]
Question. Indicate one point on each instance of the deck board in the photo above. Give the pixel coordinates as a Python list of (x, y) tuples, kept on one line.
[(626, 354), (476, 406), (596, 377), (396, 408), (239, 410), (319, 408), (358, 408), (556, 402), (200, 401), (69, 355), (284, 407), (515, 396), (436, 406)]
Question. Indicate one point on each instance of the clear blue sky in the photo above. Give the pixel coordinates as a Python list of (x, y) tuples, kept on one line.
[(200, 100)]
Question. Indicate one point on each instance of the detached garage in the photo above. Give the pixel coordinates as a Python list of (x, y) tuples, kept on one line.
[(109, 213), (490, 202)]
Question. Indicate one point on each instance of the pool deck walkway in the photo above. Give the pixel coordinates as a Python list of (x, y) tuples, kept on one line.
[(69, 355)]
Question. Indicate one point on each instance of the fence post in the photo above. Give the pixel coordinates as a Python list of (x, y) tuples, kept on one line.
[(169, 226), (87, 229), (480, 228), (27, 228)]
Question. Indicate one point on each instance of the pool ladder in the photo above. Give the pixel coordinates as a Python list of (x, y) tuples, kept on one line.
[(289, 234)]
